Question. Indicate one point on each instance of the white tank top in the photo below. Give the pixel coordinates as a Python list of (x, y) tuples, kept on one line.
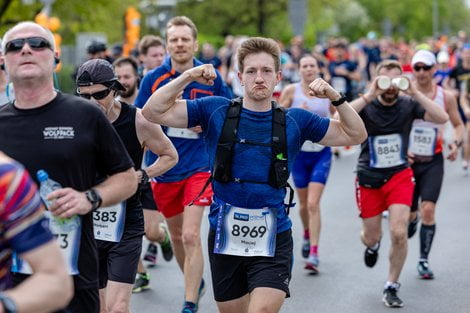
[(426, 137), (319, 106)]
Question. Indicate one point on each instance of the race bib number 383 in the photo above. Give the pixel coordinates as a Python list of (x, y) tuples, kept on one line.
[(108, 222), (386, 151), (246, 232)]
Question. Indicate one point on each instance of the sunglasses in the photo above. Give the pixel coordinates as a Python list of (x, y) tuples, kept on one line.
[(36, 43), (97, 95), (418, 68)]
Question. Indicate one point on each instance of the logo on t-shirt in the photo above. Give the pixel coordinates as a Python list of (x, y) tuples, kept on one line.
[(58, 132)]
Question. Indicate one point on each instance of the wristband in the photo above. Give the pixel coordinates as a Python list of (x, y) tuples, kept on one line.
[(340, 101), (365, 99)]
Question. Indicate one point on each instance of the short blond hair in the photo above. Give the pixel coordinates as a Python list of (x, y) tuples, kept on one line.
[(389, 65), (149, 41), (182, 21), (257, 45)]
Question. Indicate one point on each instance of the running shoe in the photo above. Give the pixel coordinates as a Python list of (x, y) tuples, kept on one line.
[(151, 255), (371, 256), (167, 250), (412, 227), (305, 248), (424, 271), (465, 168), (312, 263), (189, 308), (142, 283), (391, 298)]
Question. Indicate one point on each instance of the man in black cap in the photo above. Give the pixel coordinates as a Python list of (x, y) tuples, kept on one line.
[(96, 50), (72, 141), (119, 229)]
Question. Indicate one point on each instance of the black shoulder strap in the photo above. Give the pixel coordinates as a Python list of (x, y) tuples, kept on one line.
[(222, 170), (279, 173)]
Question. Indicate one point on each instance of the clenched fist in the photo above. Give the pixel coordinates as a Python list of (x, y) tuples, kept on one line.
[(321, 89)]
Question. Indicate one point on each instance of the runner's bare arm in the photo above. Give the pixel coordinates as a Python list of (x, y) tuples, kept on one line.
[(152, 137), (50, 288), (459, 129), (164, 108), (116, 188), (287, 96), (434, 113)]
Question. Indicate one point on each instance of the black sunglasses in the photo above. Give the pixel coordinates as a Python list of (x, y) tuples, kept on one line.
[(97, 95), (36, 43), (418, 68)]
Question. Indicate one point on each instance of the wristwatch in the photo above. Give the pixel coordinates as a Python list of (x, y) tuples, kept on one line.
[(340, 101), (458, 143), (8, 304), (144, 178), (94, 197)]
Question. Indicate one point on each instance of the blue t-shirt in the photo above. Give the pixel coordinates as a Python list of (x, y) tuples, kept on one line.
[(252, 162), (190, 146)]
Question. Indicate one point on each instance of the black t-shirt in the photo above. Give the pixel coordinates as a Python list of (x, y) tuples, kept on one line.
[(72, 140), (125, 127), (395, 121)]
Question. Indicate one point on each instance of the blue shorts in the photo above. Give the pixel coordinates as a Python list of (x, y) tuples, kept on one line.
[(311, 167)]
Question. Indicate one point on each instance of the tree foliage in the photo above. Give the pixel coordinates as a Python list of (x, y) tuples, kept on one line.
[(76, 16), (215, 18)]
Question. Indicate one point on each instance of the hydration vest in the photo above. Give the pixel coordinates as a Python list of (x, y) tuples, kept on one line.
[(278, 172)]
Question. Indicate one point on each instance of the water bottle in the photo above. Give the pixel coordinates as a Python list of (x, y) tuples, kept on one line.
[(46, 186)]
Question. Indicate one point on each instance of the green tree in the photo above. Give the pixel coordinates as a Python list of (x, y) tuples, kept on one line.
[(76, 16), (238, 17)]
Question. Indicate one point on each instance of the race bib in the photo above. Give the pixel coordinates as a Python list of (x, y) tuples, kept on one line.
[(310, 146), (181, 133), (386, 151), (108, 222), (67, 233), (339, 84), (246, 232), (423, 140)]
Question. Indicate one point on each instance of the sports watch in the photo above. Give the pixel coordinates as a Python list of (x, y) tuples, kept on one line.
[(340, 101), (8, 304), (94, 197)]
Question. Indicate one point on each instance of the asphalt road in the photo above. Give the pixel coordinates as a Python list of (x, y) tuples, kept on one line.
[(345, 284)]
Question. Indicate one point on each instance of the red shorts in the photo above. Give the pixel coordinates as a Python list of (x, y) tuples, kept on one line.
[(171, 198), (398, 190)]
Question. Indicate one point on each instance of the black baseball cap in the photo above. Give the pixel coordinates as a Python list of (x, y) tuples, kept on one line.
[(95, 47), (97, 71)]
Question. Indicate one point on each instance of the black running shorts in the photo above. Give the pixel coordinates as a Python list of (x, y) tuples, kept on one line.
[(118, 260), (428, 178), (146, 197), (235, 276), (84, 300)]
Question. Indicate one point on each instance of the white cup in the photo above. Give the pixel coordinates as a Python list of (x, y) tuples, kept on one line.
[(383, 82), (401, 83)]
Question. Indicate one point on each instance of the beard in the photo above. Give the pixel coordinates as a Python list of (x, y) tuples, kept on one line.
[(389, 97), (128, 92)]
